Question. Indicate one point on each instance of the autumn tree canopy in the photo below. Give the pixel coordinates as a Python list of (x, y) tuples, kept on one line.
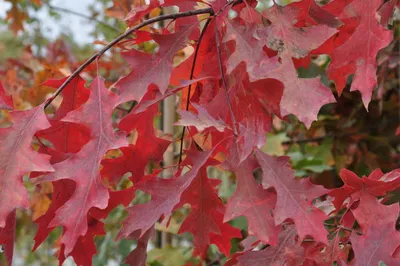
[(205, 132)]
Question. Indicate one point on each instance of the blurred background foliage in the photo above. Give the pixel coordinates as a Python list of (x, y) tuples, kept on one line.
[(345, 136)]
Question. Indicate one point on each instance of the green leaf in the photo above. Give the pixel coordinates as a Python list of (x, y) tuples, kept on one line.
[(273, 145), (168, 256)]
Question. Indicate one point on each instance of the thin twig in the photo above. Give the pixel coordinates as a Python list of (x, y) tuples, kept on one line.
[(190, 86), (301, 141), (123, 36), (72, 12), (318, 139), (221, 69)]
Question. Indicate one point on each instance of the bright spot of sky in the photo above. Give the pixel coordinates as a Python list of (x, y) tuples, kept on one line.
[(79, 28)]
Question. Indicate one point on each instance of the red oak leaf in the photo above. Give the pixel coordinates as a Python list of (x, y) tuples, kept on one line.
[(222, 8), (85, 247), (206, 60), (157, 98), (142, 116), (253, 202), (250, 15), (96, 227), (67, 137), (283, 36), (358, 54), (375, 246), (335, 7), (371, 212), (327, 255), (165, 194), (62, 192), (205, 220), (133, 160), (142, 10), (247, 49), (150, 69), (138, 256), (313, 14), (376, 184), (6, 101), (7, 238), (387, 9), (251, 135), (184, 6), (294, 197), (200, 121), (248, 244), (380, 238), (227, 233), (74, 95), (135, 157), (301, 97), (18, 158), (83, 167), (252, 105), (287, 252)]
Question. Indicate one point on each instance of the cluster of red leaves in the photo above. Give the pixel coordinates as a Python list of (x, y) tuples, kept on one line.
[(246, 72)]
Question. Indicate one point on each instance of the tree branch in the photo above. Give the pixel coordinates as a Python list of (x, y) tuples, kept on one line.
[(221, 69), (302, 141), (72, 12), (318, 139), (123, 36)]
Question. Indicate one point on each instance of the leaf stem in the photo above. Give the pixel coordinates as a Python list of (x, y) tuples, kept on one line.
[(233, 2), (121, 37), (190, 86), (221, 69), (302, 141)]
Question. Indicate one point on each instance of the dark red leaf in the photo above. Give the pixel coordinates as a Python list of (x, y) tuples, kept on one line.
[(83, 167), (294, 197), (253, 202), (358, 54), (18, 158), (205, 220), (287, 252)]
